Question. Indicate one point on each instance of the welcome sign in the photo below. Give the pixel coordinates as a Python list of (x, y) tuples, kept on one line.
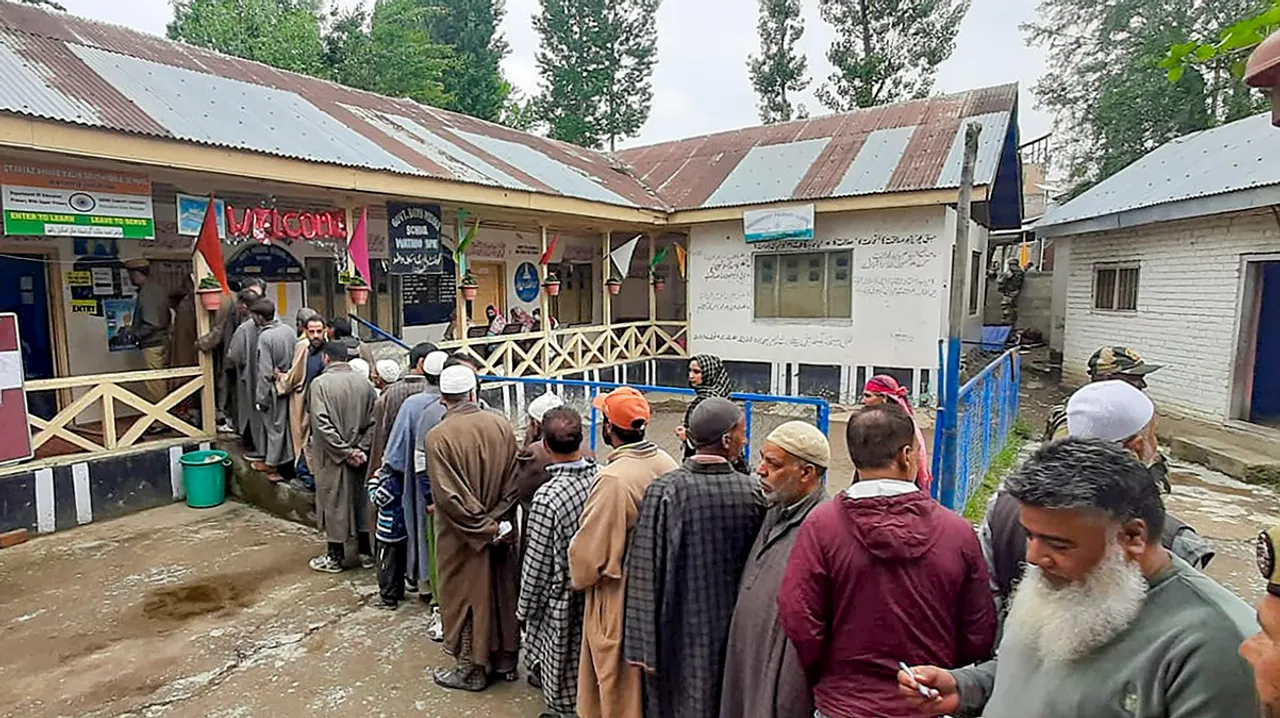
[(49, 201), (413, 236), (764, 225)]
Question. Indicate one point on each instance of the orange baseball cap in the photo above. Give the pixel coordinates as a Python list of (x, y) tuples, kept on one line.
[(623, 407)]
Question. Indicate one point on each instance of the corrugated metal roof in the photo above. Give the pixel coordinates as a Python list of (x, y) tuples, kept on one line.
[(1233, 158), (903, 147)]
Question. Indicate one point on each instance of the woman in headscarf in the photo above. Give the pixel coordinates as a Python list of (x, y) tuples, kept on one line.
[(496, 321), (882, 388), (521, 317), (707, 378)]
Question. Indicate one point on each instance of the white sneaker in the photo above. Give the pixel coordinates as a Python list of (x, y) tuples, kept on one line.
[(324, 563), (436, 630), (367, 562)]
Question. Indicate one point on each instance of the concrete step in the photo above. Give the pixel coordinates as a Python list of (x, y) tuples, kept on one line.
[(1223, 452), (279, 499)]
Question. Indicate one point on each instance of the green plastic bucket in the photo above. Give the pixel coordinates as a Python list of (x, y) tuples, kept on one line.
[(204, 476)]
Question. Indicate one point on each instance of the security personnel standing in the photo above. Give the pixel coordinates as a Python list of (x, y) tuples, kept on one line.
[(151, 323), (1107, 363)]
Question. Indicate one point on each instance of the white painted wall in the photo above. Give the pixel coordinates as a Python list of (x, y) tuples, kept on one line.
[(1058, 305), (1188, 314), (901, 271)]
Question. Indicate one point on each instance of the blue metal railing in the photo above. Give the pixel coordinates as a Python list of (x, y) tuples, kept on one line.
[(380, 331), (821, 407), (973, 427)]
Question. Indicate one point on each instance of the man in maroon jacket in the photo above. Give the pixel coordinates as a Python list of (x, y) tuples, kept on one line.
[(883, 574)]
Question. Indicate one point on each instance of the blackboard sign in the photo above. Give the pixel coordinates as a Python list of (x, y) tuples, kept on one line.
[(429, 298), (413, 237)]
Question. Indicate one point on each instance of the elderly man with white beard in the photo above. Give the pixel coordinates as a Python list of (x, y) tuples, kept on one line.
[(1106, 623)]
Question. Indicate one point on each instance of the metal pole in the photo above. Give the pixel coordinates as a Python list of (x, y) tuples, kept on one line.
[(955, 327)]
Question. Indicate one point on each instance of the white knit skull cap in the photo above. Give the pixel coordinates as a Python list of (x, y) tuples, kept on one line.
[(457, 379), (1108, 410), (433, 363), (539, 407)]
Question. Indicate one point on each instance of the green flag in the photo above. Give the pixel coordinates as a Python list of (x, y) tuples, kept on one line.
[(657, 258)]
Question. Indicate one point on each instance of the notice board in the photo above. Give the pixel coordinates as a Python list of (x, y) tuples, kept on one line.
[(15, 431), (429, 298)]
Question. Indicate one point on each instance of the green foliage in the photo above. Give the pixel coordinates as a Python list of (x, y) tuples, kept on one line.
[(44, 3), (280, 33), (779, 69), (1001, 465), (470, 27), (519, 112), (887, 50), (596, 65), (1231, 48), (1111, 103)]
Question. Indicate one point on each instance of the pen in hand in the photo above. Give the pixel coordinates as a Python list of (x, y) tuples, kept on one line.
[(907, 670)]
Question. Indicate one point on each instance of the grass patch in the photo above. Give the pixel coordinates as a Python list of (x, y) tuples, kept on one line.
[(1001, 465)]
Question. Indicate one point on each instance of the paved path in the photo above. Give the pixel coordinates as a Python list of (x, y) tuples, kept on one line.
[(177, 612)]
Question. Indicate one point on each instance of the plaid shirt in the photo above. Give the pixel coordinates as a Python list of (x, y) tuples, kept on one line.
[(550, 609), (684, 564)]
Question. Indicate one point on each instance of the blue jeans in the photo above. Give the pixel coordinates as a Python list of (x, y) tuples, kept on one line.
[(304, 474)]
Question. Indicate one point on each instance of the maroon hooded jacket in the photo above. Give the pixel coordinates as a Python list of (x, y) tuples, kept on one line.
[(878, 580)]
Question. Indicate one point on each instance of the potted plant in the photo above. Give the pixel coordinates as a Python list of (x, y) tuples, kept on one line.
[(469, 286), (658, 281), (552, 285), (613, 284), (357, 290), (210, 292)]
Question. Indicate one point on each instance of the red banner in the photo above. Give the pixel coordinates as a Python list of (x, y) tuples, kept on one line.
[(265, 224)]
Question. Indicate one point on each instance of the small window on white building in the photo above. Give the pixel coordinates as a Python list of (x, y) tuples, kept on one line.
[(804, 286), (1115, 287)]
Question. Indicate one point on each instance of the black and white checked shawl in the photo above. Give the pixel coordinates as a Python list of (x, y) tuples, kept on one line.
[(696, 528), (550, 609)]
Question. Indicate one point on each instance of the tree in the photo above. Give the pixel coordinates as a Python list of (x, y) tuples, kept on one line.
[(779, 69), (403, 60), (596, 63), (280, 33), (470, 27), (519, 112), (1222, 60), (887, 50), (1111, 103)]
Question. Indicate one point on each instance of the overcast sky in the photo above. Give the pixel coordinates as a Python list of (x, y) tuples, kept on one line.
[(701, 82)]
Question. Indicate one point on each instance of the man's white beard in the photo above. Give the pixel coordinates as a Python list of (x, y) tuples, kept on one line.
[(1064, 624)]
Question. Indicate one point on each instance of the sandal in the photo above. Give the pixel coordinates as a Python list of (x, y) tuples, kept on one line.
[(457, 679)]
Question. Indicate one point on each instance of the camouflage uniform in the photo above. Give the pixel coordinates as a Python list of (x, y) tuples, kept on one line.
[(1010, 287), (1107, 363)]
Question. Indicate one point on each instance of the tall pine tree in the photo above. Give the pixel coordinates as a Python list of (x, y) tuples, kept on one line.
[(887, 50), (280, 33), (779, 69), (470, 27), (596, 61)]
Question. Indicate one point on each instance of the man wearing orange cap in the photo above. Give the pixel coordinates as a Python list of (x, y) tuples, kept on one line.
[(1262, 650), (607, 685)]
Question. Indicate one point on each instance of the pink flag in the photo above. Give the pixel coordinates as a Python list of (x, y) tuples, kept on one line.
[(358, 247)]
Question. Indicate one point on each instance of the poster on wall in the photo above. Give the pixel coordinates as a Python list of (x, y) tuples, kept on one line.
[(413, 232), (46, 200), (191, 212), (526, 282), (119, 314), (763, 225)]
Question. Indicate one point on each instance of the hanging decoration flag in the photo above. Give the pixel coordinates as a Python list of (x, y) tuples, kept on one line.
[(358, 246), (1024, 253), (465, 241), (622, 255), (657, 258), (210, 245), (680, 259), (546, 256)]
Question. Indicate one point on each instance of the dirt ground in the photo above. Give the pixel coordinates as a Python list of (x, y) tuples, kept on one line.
[(213, 613)]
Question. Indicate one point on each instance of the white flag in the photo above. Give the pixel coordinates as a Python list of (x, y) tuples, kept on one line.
[(622, 256)]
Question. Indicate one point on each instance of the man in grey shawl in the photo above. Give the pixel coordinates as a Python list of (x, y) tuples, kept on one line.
[(684, 565), (341, 412), (763, 677), (276, 341), (242, 356), (398, 458)]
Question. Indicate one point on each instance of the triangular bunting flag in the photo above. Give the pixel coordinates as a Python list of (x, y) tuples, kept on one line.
[(622, 256), (465, 241), (551, 248), (358, 247), (209, 245), (657, 258), (680, 259)]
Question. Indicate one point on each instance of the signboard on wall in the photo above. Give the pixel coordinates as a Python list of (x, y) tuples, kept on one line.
[(429, 298), (527, 282), (46, 200), (15, 431), (268, 262), (413, 232), (763, 225), (191, 212)]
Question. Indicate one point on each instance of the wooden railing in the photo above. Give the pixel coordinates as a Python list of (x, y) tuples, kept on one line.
[(109, 392), (574, 350)]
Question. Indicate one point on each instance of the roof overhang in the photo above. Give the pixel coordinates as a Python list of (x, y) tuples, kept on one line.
[(890, 200), (1241, 201), (25, 133)]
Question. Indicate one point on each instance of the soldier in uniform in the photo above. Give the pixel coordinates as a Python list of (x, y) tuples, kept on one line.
[(1107, 363), (1262, 650), (1010, 286)]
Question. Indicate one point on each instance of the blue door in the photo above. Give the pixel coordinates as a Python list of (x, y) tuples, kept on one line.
[(23, 290), (1265, 406)]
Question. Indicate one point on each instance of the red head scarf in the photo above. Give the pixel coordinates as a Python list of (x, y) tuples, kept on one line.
[(888, 386)]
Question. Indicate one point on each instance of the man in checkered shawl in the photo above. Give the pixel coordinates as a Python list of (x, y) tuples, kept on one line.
[(551, 611)]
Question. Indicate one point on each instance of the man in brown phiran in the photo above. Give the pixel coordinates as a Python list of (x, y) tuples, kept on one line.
[(471, 461)]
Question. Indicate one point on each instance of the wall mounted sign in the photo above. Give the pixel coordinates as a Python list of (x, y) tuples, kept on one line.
[(44, 200), (413, 231), (191, 215), (267, 262), (763, 225), (267, 224), (527, 282)]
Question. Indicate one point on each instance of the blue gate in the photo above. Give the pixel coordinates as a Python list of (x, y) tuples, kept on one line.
[(973, 427)]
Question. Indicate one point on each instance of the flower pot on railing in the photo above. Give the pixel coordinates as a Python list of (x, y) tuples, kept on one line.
[(614, 285), (470, 287), (552, 285), (659, 282), (359, 295), (210, 293)]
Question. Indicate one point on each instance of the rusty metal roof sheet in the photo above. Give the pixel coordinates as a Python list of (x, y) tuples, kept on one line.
[(909, 146), (60, 67)]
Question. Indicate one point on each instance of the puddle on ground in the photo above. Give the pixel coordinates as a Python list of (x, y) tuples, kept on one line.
[(214, 594), (1188, 478)]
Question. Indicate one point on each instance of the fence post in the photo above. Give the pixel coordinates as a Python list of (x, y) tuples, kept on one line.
[(747, 410), (987, 387)]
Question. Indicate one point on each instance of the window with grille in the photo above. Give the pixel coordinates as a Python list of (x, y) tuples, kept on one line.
[(1115, 287), (975, 282), (804, 286)]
